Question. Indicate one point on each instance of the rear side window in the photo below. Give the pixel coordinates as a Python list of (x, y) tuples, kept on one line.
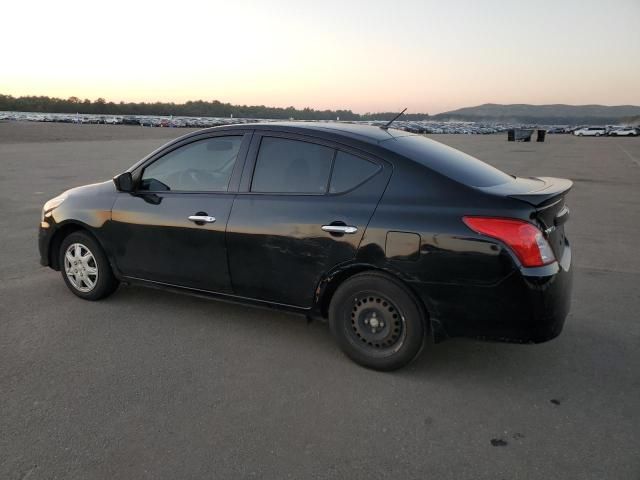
[(448, 161), (350, 171), (291, 166)]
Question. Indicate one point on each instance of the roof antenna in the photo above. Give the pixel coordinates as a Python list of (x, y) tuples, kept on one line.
[(388, 124)]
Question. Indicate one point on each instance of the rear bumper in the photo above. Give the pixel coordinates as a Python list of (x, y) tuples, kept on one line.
[(529, 306)]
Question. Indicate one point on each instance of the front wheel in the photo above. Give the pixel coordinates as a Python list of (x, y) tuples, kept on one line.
[(85, 267), (377, 321)]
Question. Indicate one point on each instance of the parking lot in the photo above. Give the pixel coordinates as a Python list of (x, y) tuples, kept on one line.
[(149, 384)]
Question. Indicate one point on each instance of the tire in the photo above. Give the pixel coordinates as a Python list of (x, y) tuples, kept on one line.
[(398, 335), (86, 257)]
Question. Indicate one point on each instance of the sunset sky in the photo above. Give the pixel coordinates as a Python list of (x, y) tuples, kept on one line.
[(429, 56)]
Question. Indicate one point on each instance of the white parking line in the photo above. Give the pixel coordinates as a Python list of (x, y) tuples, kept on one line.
[(633, 159)]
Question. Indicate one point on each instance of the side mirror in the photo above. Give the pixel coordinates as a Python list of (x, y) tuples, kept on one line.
[(124, 182)]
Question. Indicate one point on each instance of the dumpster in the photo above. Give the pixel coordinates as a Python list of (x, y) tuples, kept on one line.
[(541, 134), (523, 134)]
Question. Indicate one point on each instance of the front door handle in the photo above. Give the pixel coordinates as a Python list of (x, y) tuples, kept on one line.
[(200, 219), (339, 229)]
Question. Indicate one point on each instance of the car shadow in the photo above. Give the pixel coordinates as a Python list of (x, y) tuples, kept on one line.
[(209, 312), (202, 310), (577, 354)]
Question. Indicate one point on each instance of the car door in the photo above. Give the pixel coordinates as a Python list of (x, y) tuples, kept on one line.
[(302, 209), (172, 228)]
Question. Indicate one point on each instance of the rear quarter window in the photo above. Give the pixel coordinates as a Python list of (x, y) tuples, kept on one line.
[(350, 171), (448, 161)]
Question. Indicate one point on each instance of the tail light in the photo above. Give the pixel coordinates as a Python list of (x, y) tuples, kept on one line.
[(524, 238)]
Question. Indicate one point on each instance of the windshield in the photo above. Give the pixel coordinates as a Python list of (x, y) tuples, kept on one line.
[(448, 161)]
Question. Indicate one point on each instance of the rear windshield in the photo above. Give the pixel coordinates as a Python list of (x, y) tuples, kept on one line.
[(448, 161)]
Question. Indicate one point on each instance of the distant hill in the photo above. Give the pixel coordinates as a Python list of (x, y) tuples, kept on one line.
[(544, 114)]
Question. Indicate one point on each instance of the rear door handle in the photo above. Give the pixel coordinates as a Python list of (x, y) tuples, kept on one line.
[(339, 229), (202, 219)]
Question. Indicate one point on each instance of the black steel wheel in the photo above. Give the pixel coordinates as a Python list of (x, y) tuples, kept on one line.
[(377, 321)]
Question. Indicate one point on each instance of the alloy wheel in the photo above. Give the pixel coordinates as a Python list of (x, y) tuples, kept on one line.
[(80, 267)]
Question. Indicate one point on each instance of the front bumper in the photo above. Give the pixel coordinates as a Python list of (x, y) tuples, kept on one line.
[(45, 234), (529, 306)]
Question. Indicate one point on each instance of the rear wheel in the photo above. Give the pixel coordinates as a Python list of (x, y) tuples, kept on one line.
[(377, 321), (85, 268)]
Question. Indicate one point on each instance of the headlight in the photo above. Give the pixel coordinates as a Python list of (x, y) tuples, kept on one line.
[(52, 204)]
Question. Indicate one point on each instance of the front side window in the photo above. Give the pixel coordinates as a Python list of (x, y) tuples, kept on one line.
[(202, 166), (291, 166)]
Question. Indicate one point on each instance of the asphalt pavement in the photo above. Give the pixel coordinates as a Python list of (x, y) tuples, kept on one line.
[(149, 384)]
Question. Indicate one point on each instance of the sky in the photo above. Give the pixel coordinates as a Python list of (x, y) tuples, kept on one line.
[(367, 56)]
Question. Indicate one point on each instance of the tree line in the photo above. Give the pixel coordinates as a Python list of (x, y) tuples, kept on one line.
[(197, 108)]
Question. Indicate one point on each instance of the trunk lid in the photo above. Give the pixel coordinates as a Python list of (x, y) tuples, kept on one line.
[(540, 191)]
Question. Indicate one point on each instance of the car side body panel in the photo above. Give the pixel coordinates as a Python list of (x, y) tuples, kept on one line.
[(277, 247), (471, 285), (409, 225), (153, 239), (156, 241), (87, 207)]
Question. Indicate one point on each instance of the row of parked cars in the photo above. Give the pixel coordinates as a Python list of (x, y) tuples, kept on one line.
[(430, 126), (423, 127), (488, 128), (203, 122), (614, 131), (598, 131), (141, 120)]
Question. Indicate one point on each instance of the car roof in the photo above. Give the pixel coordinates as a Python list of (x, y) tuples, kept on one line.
[(364, 133)]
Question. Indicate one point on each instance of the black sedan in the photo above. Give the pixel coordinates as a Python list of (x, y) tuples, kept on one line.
[(391, 236)]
